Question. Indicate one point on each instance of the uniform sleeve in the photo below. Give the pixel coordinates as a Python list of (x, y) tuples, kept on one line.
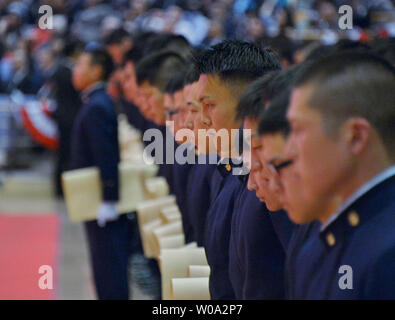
[(102, 132), (380, 282), (283, 226), (263, 259)]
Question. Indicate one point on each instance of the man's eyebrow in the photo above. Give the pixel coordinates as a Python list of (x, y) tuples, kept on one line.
[(203, 98), (274, 160), (191, 103)]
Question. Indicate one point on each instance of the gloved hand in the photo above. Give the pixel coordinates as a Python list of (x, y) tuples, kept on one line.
[(107, 212)]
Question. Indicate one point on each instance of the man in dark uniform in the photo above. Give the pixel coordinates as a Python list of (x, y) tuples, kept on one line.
[(134, 102), (256, 252), (58, 85), (152, 74), (200, 194), (342, 147), (175, 109), (273, 131), (160, 76), (251, 105), (202, 182), (95, 144), (226, 70)]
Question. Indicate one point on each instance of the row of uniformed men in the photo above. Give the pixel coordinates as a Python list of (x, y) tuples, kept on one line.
[(318, 155)]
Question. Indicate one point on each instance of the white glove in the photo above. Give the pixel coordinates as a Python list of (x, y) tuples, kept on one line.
[(107, 212)]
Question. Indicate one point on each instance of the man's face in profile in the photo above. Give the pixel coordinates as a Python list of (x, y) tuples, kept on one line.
[(272, 148), (218, 109), (218, 103), (320, 163), (255, 164), (85, 73), (154, 110), (181, 112), (194, 118), (129, 83), (282, 179)]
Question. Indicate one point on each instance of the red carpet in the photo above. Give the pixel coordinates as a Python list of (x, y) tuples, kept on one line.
[(26, 243)]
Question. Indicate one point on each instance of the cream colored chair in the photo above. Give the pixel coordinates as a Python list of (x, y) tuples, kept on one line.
[(174, 263), (148, 217), (170, 214), (168, 229), (156, 187), (195, 271), (83, 195), (190, 289)]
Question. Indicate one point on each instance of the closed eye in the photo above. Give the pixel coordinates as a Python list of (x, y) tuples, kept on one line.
[(209, 105)]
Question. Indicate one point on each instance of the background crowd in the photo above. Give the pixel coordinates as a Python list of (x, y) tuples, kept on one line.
[(286, 25)]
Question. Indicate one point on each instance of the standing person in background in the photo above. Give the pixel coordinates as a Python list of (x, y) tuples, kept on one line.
[(95, 143), (58, 82)]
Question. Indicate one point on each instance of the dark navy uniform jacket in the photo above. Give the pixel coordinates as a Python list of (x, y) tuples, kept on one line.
[(200, 191), (95, 140), (181, 177), (299, 236), (283, 226), (256, 255), (217, 234), (362, 238)]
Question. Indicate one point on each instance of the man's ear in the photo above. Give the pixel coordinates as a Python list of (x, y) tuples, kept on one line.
[(358, 133)]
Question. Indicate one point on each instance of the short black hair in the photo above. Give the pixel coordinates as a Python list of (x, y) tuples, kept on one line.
[(167, 41), (116, 36), (236, 61), (100, 57), (140, 40), (252, 100), (353, 84), (176, 82), (350, 45), (321, 52), (191, 75), (281, 81), (179, 44), (342, 45), (385, 47), (274, 118), (263, 90), (158, 68), (134, 55)]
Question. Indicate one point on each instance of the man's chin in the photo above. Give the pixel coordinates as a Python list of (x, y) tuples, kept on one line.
[(261, 198), (286, 205), (298, 217)]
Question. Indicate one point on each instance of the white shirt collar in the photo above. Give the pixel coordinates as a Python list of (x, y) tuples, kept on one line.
[(384, 175)]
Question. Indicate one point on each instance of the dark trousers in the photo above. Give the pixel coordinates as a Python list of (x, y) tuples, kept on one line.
[(110, 248)]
